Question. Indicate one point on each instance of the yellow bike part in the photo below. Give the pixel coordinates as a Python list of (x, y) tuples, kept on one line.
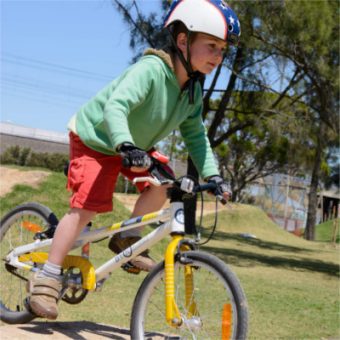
[(71, 261), (172, 313), (190, 303)]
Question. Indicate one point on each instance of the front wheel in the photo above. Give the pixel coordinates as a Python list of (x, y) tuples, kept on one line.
[(221, 306)]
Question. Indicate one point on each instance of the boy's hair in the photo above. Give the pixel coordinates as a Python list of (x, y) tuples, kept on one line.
[(177, 28)]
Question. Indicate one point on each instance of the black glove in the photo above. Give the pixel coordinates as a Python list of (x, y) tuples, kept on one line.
[(133, 156), (221, 187)]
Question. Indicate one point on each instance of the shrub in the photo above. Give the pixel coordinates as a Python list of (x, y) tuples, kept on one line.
[(25, 157), (11, 155), (37, 159)]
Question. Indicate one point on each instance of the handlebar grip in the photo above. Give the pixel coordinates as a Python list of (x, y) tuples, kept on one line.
[(205, 187), (210, 187)]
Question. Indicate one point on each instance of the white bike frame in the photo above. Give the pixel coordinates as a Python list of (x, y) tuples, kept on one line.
[(25, 257), (172, 219)]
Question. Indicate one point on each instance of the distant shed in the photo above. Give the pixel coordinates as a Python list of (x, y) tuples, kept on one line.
[(329, 202)]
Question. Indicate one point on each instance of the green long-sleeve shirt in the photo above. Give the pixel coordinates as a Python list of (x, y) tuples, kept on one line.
[(143, 106)]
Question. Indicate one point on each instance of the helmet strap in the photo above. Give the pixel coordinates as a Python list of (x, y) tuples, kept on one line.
[(193, 76)]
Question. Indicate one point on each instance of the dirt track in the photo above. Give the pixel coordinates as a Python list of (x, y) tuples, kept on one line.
[(62, 331)]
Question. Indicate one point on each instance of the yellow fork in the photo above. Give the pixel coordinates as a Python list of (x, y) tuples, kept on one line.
[(172, 313)]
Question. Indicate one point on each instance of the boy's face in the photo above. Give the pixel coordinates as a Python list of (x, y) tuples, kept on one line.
[(206, 53)]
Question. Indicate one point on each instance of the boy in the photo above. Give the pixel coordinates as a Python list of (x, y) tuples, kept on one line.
[(141, 107)]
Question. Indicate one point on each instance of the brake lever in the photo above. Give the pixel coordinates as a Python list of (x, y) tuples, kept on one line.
[(150, 180)]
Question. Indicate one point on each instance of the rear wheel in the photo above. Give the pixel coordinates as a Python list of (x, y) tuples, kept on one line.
[(221, 309), (18, 228)]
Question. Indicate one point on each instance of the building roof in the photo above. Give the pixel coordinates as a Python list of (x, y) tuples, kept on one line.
[(23, 131), (330, 193)]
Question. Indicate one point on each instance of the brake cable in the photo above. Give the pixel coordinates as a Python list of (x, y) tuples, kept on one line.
[(200, 226), (197, 241)]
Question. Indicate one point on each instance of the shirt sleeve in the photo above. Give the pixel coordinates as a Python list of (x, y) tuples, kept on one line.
[(130, 91), (194, 134)]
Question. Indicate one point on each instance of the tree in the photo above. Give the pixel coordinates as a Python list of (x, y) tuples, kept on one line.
[(288, 48), (220, 125), (306, 35)]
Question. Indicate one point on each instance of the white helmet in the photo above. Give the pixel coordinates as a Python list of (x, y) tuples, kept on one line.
[(212, 17)]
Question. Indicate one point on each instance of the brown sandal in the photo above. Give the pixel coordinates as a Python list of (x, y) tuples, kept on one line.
[(141, 262)]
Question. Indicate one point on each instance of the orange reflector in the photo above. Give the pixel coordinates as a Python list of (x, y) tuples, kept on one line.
[(35, 228), (226, 321), (85, 250)]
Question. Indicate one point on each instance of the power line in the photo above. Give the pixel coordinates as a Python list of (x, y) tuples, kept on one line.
[(46, 87), (46, 66), (43, 99)]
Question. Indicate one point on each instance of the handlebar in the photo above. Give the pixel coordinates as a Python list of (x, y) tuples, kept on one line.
[(160, 176), (210, 187)]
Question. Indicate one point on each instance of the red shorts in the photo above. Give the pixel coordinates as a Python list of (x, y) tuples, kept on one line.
[(92, 177)]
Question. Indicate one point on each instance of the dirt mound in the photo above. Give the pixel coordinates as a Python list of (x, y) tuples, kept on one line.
[(10, 177)]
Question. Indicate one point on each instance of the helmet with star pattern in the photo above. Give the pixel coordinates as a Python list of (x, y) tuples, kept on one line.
[(213, 17)]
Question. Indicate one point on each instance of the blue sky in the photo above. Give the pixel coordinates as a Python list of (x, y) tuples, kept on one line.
[(55, 55)]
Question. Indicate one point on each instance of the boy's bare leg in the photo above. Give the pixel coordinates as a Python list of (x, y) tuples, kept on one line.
[(152, 199), (68, 230), (45, 286)]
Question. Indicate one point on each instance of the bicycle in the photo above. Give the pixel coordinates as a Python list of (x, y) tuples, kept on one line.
[(191, 294)]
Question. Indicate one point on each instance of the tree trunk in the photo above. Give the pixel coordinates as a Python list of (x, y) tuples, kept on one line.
[(313, 194)]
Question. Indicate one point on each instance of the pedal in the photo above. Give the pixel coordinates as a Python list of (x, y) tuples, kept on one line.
[(130, 268)]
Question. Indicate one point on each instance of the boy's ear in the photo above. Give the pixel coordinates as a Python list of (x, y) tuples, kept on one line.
[(182, 42)]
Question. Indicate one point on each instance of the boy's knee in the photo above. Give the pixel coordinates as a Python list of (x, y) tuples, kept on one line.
[(82, 215), (161, 190)]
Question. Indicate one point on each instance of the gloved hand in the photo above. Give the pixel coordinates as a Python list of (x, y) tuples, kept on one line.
[(222, 189), (135, 158)]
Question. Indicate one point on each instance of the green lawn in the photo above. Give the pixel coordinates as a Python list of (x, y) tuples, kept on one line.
[(328, 231), (292, 285)]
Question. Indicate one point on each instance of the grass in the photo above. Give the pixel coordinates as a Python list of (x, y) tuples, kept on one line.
[(324, 232), (292, 285)]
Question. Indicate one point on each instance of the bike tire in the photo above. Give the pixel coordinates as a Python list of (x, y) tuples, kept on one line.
[(215, 286), (17, 228)]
